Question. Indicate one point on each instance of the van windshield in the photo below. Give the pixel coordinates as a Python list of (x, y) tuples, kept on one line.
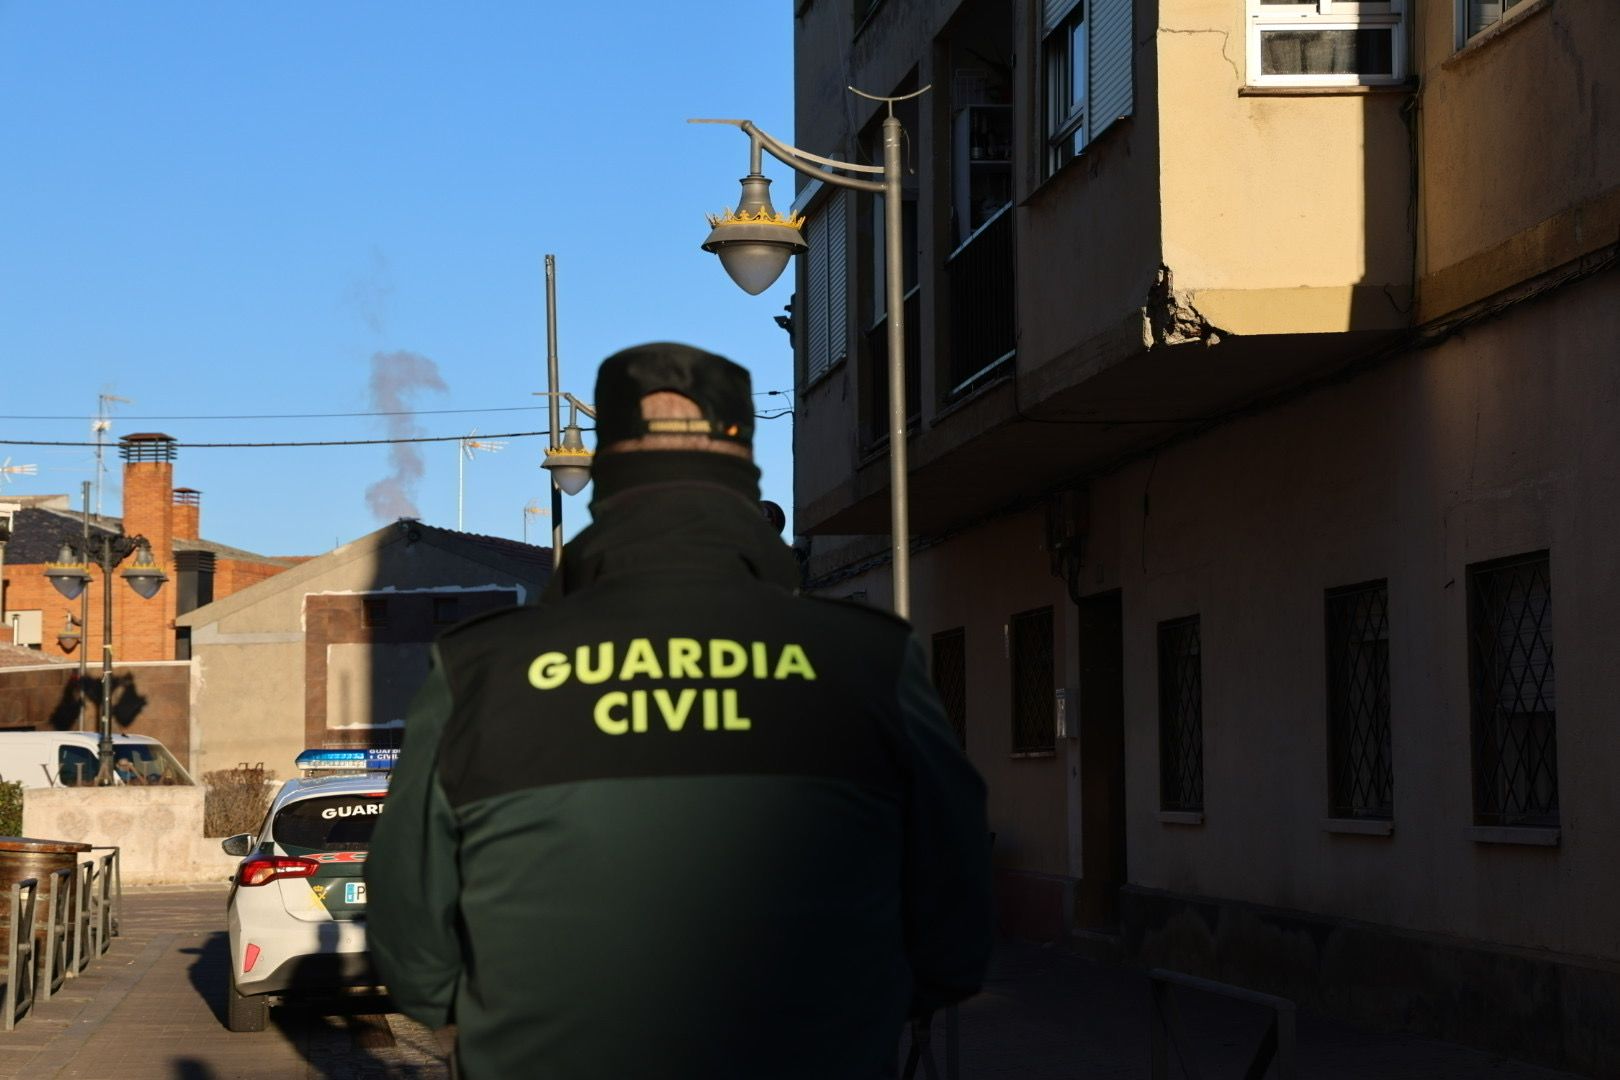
[(133, 763)]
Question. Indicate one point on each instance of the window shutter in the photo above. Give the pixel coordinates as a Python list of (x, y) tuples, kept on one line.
[(1053, 11), (815, 360), (1112, 43), (837, 293)]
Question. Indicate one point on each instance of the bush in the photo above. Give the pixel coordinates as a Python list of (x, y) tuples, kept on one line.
[(11, 797), (235, 800)]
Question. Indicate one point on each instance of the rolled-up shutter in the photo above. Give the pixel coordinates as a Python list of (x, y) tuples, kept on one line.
[(837, 292), (825, 302), (1112, 44)]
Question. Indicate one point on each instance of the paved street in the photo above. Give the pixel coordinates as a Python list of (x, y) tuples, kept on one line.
[(151, 1008)]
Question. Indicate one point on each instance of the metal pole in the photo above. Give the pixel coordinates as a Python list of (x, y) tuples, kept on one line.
[(461, 477), (104, 773), (895, 287), (84, 611), (555, 400)]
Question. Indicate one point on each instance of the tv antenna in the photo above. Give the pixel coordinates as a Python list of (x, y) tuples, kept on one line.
[(532, 508), (99, 427), (8, 470), (465, 448)]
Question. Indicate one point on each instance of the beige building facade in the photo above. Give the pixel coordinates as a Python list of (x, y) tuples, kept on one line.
[(1263, 449), (330, 653)]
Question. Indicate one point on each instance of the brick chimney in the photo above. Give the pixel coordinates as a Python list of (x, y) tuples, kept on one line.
[(187, 513), (144, 629)]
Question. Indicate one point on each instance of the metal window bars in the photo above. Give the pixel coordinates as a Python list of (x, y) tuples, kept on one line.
[(950, 679), (1181, 715), (19, 995), (1514, 701), (1363, 784), (1033, 713)]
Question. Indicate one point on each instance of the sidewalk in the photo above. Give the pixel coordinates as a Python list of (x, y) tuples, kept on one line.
[(150, 1009)]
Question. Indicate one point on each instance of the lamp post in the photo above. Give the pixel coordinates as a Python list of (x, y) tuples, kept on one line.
[(754, 244), (70, 574), (566, 457)]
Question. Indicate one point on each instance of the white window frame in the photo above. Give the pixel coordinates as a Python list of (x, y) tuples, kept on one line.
[(1329, 15), (1460, 8)]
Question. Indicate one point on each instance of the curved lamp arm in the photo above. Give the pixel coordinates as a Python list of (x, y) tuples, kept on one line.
[(800, 161)]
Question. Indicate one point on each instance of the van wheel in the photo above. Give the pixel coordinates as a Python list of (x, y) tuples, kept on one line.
[(246, 1012)]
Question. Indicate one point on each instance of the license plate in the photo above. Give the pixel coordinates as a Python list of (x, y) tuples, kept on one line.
[(354, 892)]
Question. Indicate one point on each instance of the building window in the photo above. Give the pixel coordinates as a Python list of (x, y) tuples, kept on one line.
[(1086, 48), (446, 610), (1181, 716), (825, 301), (950, 679), (1030, 643), (1360, 763), (1326, 42), (1514, 706), (1474, 16), (374, 612)]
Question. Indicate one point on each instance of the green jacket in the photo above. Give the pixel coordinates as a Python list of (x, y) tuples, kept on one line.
[(677, 821)]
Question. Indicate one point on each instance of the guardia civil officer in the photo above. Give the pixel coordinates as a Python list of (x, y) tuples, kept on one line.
[(675, 820)]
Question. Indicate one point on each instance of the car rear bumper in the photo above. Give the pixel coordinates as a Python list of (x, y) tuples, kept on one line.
[(313, 974)]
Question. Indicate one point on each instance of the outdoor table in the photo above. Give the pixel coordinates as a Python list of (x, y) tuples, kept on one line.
[(23, 857)]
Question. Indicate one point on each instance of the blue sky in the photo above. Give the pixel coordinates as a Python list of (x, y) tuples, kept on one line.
[(226, 209)]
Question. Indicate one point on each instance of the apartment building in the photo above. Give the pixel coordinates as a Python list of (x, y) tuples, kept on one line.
[(1263, 361)]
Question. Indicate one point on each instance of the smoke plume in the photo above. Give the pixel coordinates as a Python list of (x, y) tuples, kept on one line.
[(395, 378)]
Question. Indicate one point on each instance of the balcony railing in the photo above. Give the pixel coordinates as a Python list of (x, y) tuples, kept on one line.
[(980, 275), (876, 384)]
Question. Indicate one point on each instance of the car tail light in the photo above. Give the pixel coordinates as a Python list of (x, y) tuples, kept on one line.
[(268, 868)]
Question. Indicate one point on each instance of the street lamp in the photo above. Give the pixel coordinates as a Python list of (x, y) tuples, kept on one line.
[(70, 574), (566, 457), (754, 243)]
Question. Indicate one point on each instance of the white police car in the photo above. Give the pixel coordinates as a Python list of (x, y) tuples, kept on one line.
[(298, 899)]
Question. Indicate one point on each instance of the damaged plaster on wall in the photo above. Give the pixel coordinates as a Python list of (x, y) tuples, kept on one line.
[(1170, 319)]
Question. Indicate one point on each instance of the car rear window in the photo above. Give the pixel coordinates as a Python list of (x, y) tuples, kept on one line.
[(327, 823)]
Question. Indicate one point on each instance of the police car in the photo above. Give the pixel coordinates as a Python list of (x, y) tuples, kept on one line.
[(298, 899)]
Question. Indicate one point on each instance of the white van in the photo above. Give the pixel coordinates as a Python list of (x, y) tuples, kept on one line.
[(71, 759)]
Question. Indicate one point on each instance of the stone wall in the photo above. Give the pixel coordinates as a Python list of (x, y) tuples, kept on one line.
[(158, 830)]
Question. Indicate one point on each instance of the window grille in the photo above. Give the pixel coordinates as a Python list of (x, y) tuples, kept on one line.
[(950, 679), (1363, 783), (1181, 716), (1033, 721), (1514, 706)]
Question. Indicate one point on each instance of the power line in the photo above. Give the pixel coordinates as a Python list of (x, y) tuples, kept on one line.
[(179, 445), (302, 416)]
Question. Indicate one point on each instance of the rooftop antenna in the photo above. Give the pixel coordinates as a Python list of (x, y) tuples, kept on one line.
[(100, 426), (532, 508), (7, 470), (464, 453)]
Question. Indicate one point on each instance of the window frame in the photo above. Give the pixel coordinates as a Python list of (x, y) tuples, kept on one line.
[(1326, 15), (1167, 688), (1021, 726), (1459, 9), (1056, 132), (1492, 790), (955, 640), (1340, 689)]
